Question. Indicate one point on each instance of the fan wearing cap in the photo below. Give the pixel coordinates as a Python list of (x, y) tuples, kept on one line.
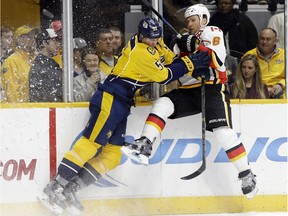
[(15, 68), (57, 27), (79, 45), (45, 77)]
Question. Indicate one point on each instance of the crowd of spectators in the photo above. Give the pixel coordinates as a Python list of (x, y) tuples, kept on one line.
[(32, 69)]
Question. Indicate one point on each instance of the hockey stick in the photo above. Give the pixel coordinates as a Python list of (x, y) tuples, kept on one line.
[(160, 17), (203, 165)]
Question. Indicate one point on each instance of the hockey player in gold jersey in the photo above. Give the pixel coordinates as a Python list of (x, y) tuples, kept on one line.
[(186, 100), (145, 59)]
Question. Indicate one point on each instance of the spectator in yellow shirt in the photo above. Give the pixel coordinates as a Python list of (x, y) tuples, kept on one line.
[(272, 62), (15, 68)]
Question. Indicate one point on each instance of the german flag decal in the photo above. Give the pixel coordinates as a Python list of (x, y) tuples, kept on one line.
[(156, 121), (236, 152)]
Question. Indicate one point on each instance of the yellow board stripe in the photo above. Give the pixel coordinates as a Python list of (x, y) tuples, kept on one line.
[(86, 104), (163, 206)]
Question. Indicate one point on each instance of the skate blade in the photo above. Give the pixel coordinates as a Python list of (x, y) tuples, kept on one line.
[(127, 150), (45, 201), (73, 211), (252, 193), (142, 159)]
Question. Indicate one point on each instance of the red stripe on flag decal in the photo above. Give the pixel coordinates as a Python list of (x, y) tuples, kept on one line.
[(52, 142), (156, 120), (236, 151)]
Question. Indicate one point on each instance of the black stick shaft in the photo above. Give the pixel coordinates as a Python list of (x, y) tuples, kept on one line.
[(203, 101), (203, 165)]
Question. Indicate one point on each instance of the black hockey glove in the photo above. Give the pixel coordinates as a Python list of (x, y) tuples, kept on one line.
[(187, 43), (196, 61), (201, 72)]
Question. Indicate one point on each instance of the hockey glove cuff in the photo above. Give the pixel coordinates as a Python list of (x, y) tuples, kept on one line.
[(201, 72), (187, 43), (202, 48), (223, 78), (200, 60), (188, 63), (196, 61)]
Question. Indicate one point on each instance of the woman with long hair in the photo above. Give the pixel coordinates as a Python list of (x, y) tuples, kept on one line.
[(248, 83)]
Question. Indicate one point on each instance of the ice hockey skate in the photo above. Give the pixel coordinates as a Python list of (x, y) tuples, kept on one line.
[(248, 183), (138, 151), (52, 198), (74, 206)]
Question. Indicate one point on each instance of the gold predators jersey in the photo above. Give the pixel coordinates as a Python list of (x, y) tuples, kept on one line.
[(140, 64)]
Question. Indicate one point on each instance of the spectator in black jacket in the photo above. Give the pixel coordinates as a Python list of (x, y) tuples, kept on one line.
[(45, 76), (239, 31)]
